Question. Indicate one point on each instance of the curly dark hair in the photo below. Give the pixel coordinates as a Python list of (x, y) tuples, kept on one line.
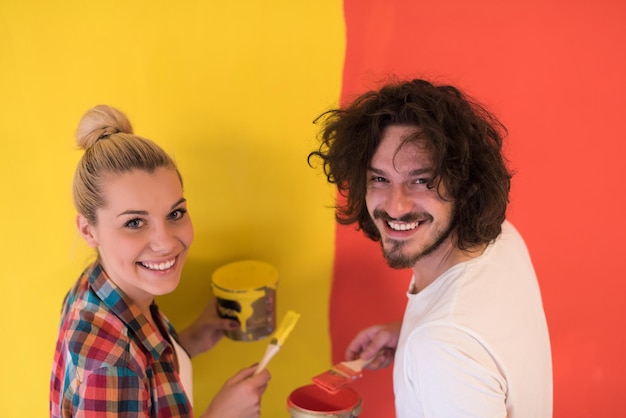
[(464, 138)]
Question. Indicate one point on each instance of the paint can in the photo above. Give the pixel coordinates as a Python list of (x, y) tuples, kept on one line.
[(246, 292), (313, 402)]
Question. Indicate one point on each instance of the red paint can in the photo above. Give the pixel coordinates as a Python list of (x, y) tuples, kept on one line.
[(313, 402)]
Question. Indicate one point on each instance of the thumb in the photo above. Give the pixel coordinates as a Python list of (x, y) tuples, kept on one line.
[(242, 375), (374, 348)]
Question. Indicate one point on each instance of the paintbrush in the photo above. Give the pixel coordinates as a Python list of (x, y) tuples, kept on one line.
[(278, 339), (341, 374)]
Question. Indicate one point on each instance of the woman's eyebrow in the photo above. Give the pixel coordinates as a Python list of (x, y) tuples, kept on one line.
[(143, 212), (181, 200)]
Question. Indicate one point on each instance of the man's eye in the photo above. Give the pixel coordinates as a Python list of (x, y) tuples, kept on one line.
[(378, 179), (421, 181), (178, 214), (133, 223)]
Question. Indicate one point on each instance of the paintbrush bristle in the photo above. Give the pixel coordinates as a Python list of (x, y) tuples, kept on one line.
[(285, 327), (338, 376)]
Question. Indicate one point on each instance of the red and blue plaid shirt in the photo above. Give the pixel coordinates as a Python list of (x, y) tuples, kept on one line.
[(109, 360)]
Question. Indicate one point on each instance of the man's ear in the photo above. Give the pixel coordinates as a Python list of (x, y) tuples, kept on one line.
[(86, 230)]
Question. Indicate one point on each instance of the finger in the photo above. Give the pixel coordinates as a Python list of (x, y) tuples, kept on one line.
[(383, 359), (262, 389), (353, 352), (261, 379), (242, 375), (226, 324), (381, 341), (356, 346)]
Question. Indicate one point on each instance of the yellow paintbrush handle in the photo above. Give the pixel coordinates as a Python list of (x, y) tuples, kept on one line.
[(280, 335), (270, 352)]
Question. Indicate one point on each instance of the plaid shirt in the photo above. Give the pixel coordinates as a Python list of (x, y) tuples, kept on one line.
[(109, 360)]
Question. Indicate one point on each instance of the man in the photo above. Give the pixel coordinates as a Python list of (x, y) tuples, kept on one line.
[(422, 170)]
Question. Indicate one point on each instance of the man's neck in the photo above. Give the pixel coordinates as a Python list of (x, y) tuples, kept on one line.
[(432, 266)]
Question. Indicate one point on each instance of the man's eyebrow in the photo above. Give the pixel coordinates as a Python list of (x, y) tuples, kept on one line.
[(421, 171), (375, 170), (416, 172)]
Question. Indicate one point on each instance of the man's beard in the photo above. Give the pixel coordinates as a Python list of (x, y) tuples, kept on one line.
[(398, 259)]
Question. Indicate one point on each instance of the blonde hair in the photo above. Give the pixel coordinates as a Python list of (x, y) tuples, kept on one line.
[(106, 135)]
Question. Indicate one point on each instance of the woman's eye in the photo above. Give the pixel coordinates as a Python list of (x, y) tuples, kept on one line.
[(178, 214), (133, 223)]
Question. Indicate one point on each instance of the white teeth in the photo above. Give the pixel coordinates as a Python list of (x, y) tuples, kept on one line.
[(402, 226), (159, 266)]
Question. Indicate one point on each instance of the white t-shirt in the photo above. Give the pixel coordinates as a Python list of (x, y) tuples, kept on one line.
[(474, 343)]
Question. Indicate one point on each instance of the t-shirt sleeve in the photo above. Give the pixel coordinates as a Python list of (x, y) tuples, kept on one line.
[(111, 392), (452, 374)]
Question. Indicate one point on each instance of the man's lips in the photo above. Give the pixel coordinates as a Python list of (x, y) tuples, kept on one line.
[(402, 226)]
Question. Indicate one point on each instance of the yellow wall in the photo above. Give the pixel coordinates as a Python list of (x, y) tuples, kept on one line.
[(230, 89)]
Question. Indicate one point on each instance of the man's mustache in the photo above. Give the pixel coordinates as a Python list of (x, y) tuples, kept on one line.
[(409, 217)]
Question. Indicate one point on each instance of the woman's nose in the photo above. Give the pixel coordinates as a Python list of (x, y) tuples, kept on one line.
[(163, 239)]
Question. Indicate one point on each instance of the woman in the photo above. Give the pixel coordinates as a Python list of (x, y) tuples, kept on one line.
[(116, 354)]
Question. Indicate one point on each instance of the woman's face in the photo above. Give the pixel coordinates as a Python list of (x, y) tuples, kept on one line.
[(143, 232)]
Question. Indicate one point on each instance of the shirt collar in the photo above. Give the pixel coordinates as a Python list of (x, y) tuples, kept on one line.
[(119, 304)]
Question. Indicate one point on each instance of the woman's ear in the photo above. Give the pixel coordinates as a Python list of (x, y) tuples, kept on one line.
[(86, 230)]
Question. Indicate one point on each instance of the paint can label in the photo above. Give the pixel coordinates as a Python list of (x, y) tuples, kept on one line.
[(246, 292)]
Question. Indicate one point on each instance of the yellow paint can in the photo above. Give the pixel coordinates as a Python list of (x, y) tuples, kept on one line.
[(246, 292)]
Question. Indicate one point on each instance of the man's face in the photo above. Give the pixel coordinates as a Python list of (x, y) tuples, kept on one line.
[(413, 220)]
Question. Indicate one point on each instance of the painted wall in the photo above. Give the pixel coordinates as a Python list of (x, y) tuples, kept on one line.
[(554, 72), (231, 90)]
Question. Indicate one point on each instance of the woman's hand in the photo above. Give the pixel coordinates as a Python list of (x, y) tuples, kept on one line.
[(240, 397), (205, 331), (379, 341)]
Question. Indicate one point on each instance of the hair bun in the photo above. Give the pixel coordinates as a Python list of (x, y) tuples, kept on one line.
[(100, 122)]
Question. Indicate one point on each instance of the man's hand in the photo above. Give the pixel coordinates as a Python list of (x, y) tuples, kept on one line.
[(380, 341)]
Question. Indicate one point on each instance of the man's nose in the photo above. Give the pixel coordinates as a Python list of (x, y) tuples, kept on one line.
[(399, 201)]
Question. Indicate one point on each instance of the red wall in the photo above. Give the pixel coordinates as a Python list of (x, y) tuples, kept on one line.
[(554, 72)]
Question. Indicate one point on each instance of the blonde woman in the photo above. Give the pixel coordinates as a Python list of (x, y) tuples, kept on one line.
[(117, 354)]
